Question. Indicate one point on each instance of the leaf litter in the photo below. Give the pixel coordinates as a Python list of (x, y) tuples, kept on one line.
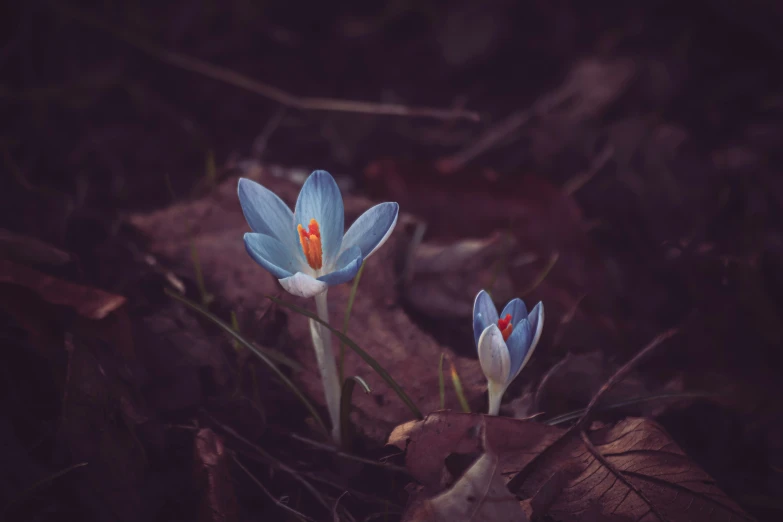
[(376, 325), (677, 188), (630, 470)]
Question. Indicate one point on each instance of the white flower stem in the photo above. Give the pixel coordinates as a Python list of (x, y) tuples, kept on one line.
[(495, 392), (322, 342)]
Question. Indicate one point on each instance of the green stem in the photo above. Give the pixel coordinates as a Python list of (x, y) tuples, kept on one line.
[(322, 342)]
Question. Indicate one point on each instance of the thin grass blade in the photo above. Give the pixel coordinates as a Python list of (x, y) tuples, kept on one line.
[(261, 354), (573, 415), (348, 309), (361, 353), (346, 397), (441, 383), (463, 401)]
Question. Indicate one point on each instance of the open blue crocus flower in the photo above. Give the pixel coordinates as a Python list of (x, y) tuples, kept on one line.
[(504, 343), (306, 249)]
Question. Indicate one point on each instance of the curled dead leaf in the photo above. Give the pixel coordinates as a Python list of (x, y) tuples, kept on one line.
[(443, 433), (632, 470)]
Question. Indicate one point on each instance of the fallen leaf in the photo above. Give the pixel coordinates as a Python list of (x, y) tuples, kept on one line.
[(631, 470), (480, 492), (645, 476), (88, 302), (428, 442)]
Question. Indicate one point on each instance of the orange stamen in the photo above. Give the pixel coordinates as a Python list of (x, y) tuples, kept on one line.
[(310, 238), (505, 326)]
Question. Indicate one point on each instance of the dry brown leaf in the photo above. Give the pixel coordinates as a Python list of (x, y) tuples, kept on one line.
[(430, 441), (480, 493), (215, 225), (88, 302), (628, 471), (644, 476)]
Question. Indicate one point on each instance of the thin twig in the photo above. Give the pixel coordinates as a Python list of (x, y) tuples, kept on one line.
[(269, 459), (282, 505), (621, 373), (581, 179), (617, 473), (332, 482), (42, 482), (502, 130), (260, 143), (543, 274), (566, 319), (336, 504), (228, 76), (348, 456)]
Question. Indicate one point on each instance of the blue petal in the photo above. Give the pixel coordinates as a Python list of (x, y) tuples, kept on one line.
[(518, 344), (536, 316), (320, 199), (372, 229), (484, 314), (348, 264), (266, 213), (271, 254), (516, 307)]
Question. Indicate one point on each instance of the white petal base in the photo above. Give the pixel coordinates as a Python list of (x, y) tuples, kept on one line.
[(493, 354), (303, 285)]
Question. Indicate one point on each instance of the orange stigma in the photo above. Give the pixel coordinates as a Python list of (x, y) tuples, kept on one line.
[(506, 327), (310, 238)]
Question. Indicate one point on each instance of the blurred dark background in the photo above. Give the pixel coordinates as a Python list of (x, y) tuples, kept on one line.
[(660, 122)]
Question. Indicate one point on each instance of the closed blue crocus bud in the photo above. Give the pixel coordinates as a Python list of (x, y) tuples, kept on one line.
[(504, 343), (308, 250)]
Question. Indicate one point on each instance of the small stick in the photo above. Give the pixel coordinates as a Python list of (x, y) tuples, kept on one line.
[(269, 459), (349, 456), (231, 77), (621, 374), (279, 503), (501, 131)]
